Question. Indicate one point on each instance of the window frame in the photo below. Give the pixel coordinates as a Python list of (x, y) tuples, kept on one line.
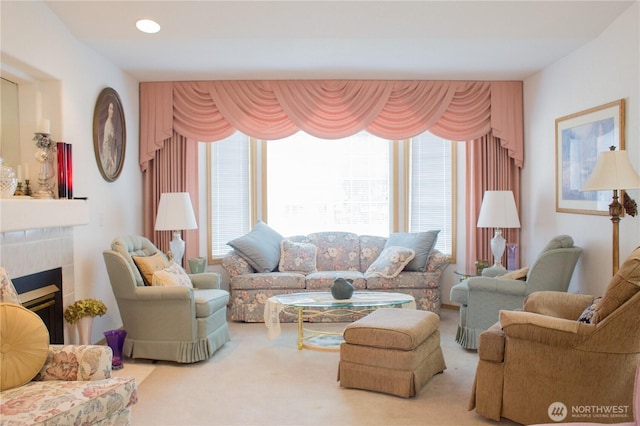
[(399, 186)]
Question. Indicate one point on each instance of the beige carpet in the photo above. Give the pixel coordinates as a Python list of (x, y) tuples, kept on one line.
[(256, 381)]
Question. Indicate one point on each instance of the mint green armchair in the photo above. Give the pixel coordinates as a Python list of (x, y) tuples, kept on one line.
[(482, 298), (171, 323)]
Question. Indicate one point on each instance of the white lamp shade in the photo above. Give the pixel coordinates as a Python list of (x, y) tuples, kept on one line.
[(613, 170), (175, 212), (498, 210)]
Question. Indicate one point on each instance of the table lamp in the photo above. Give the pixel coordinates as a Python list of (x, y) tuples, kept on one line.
[(175, 213), (498, 210), (613, 171)]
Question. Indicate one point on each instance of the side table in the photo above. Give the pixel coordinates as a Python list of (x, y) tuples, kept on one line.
[(466, 274)]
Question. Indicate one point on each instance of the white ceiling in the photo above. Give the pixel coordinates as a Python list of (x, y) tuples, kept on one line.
[(204, 40)]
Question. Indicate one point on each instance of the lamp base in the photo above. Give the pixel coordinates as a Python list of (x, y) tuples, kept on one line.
[(498, 244), (177, 247)]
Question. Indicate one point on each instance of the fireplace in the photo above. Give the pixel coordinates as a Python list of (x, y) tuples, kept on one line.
[(36, 236), (42, 293)]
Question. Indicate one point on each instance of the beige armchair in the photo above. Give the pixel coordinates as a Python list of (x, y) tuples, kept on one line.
[(543, 355), (172, 323), (482, 298)]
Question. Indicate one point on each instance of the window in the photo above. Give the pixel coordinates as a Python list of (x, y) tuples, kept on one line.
[(229, 192), (304, 184), (431, 188), (318, 185)]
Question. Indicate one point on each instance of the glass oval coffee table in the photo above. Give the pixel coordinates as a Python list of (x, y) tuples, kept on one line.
[(306, 306)]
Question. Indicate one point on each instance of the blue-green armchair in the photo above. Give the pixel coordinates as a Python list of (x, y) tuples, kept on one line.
[(482, 298), (177, 323)]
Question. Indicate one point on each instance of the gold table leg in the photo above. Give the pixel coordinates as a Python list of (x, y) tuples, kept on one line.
[(300, 329)]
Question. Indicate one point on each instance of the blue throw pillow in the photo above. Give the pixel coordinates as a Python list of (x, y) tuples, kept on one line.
[(420, 242), (260, 247)]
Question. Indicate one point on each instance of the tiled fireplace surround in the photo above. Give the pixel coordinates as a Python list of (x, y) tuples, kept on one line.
[(29, 245), (29, 251)]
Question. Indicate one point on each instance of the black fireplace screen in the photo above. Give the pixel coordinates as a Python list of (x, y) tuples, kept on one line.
[(42, 293)]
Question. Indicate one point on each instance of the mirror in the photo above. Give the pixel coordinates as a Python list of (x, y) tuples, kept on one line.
[(28, 95), (9, 124)]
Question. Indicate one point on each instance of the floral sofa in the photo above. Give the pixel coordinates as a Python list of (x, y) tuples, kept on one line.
[(312, 263), (73, 387)]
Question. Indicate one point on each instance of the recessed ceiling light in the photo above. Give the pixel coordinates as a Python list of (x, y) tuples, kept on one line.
[(148, 26)]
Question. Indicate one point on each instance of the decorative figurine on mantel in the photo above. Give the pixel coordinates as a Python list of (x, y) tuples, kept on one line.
[(19, 190), (23, 189), (43, 143)]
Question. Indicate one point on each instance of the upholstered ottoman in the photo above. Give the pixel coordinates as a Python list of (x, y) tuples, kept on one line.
[(395, 351)]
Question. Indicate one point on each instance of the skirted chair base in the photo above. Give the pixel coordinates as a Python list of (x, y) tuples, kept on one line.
[(181, 352), (466, 335), (391, 352), (211, 304)]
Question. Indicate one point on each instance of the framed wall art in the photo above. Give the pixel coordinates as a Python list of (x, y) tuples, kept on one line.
[(579, 139), (109, 134)]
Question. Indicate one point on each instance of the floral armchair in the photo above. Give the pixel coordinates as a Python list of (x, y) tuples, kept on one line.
[(55, 384), (42, 384), (74, 386)]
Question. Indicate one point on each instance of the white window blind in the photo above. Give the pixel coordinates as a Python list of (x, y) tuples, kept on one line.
[(431, 188), (229, 192)]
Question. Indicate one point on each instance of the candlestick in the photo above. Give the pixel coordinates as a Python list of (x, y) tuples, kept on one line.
[(44, 126), (19, 190), (43, 143)]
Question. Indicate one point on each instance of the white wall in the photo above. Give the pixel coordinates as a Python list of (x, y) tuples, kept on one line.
[(604, 70), (34, 38)]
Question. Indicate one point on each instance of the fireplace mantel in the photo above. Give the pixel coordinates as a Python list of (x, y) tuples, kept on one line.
[(18, 214)]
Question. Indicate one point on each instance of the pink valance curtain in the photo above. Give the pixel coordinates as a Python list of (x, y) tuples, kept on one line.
[(330, 109), (187, 112)]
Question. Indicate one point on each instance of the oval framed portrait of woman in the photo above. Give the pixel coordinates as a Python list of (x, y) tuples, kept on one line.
[(109, 134)]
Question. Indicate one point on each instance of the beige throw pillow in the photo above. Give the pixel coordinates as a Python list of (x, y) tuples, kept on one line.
[(147, 265), (173, 275), (518, 274)]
